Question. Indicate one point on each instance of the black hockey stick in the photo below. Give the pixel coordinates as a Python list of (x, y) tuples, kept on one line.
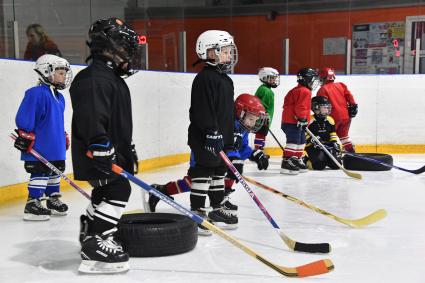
[(293, 245), (270, 131), (417, 171)]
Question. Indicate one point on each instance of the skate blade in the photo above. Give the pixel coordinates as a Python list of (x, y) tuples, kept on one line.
[(58, 213), (225, 226), (91, 266), (303, 170), (33, 217), (288, 172), (203, 232)]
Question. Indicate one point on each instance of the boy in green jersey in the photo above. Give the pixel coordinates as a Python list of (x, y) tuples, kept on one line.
[(270, 79)]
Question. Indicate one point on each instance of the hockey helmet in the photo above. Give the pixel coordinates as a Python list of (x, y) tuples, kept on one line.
[(47, 64), (308, 77), (114, 36), (269, 76), (250, 104), (226, 53), (321, 107), (327, 74)]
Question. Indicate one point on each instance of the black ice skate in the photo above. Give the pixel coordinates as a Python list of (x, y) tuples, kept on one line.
[(300, 164), (223, 218), (153, 200), (232, 208), (84, 225), (288, 167), (35, 211), (56, 206), (101, 254), (202, 231)]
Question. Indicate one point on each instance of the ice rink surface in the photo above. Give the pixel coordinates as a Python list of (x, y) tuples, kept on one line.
[(391, 250)]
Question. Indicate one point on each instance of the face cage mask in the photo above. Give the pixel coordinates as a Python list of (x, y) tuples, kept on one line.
[(59, 86), (225, 67), (315, 82), (261, 121), (276, 82), (323, 110)]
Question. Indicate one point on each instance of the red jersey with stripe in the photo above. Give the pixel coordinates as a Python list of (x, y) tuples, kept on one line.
[(339, 96), (297, 103)]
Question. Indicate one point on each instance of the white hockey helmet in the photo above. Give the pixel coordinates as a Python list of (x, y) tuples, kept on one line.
[(269, 76), (47, 64), (216, 40)]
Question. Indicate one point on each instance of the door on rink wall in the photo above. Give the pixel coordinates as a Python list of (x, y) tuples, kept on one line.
[(415, 28)]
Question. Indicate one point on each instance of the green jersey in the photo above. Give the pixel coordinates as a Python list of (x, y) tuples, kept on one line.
[(266, 95)]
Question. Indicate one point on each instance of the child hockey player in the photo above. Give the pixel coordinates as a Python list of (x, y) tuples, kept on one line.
[(250, 117), (344, 107), (295, 116), (270, 79), (40, 122), (323, 127), (102, 124)]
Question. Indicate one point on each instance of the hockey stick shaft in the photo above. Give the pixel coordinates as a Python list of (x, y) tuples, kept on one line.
[(56, 170), (348, 173), (296, 246), (281, 147), (311, 269), (355, 223)]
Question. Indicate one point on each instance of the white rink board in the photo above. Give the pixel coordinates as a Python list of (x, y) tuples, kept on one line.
[(390, 110)]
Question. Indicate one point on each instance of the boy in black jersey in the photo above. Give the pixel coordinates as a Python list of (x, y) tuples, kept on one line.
[(323, 127), (211, 124)]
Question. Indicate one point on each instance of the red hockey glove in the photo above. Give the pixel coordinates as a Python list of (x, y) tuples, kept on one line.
[(24, 141)]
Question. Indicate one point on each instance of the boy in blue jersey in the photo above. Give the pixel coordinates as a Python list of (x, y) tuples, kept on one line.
[(250, 117), (40, 123)]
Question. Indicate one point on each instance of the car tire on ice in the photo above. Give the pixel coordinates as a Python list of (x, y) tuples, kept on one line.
[(157, 234), (356, 162)]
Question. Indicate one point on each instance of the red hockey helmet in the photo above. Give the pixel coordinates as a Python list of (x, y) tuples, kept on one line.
[(250, 112), (327, 74)]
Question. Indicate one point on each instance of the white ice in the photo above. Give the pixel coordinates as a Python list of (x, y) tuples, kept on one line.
[(392, 250)]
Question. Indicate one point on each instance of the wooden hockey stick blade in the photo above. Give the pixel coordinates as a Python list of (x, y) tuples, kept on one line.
[(310, 269), (322, 248), (355, 223), (351, 174)]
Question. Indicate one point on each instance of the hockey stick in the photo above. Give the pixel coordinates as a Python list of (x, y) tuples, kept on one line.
[(417, 171), (349, 173), (311, 269), (355, 223), (281, 147), (293, 245), (54, 169)]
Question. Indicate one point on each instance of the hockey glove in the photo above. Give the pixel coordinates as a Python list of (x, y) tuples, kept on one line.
[(302, 123), (238, 163), (260, 158), (238, 140), (336, 149), (135, 158), (25, 141), (315, 143), (213, 142), (352, 110), (103, 157), (67, 143)]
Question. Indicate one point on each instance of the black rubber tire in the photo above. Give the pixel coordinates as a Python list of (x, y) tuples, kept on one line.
[(357, 163), (156, 234)]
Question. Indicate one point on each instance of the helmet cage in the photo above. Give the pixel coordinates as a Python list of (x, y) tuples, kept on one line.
[(322, 110), (47, 69), (261, 120), (225, 66)]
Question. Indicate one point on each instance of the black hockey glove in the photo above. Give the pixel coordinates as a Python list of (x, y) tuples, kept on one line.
[(260, 158), (103, 156), (352, 110), (24, 141), (336, 149), (302, 123), (214, 142), (238, 163), (237, 140), (135, 158), (315, 143)]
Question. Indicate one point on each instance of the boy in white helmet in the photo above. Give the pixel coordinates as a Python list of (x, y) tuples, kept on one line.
[(270, 79), (211, 126), (40, 123)]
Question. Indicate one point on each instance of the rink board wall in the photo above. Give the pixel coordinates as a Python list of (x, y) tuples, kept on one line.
[(390, 111)]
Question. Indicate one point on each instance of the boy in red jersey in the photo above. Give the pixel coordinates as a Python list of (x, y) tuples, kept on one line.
[(344, 107), (295, 116)]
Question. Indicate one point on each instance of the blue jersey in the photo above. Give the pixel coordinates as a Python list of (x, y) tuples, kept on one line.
[(42, 112), (244, 152)]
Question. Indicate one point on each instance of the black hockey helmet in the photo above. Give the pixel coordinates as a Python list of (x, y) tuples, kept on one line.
[(114, 36), (308, 77), (321, 107)]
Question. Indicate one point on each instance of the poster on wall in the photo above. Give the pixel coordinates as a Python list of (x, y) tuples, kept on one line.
[(377, 48)]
